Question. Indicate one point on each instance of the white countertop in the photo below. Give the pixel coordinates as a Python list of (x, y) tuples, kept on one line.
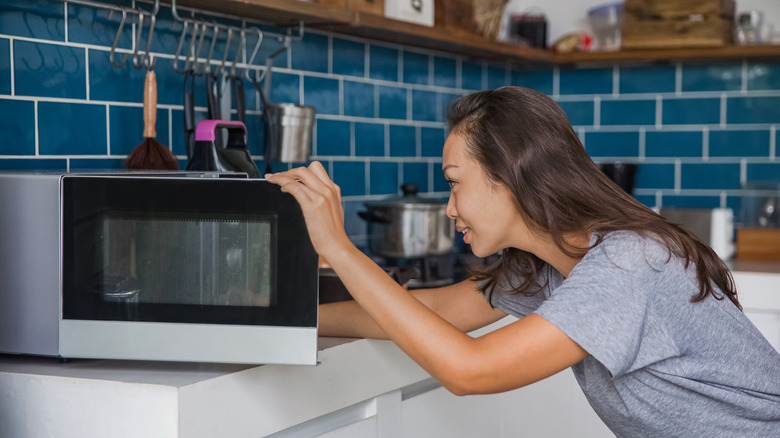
[(85, 398)]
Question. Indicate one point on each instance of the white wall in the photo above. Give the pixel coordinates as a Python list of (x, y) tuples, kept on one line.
[(566, 16)]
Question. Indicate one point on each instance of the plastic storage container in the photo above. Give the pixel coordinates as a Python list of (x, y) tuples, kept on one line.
[(606, 20)]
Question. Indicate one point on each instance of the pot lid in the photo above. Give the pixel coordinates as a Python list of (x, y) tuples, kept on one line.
[(409, 198)]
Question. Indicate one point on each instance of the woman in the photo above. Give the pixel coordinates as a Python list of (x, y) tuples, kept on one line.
[(645, 314)]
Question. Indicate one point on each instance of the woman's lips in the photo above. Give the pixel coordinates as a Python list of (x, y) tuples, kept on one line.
[(465, 231)]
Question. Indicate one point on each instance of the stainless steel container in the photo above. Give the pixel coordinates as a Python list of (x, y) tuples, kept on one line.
[(288, 132), (409, 226)]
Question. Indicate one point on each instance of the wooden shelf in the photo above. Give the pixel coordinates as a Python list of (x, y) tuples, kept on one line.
[(287, 13), (728, 53)]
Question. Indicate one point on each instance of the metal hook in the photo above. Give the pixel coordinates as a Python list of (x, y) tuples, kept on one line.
[(227, 49), (136, 62), (196, 53), (241, 44), (149, 60), (178, 48), (190, 52), (205, 68), (251, 61), (116, 41)]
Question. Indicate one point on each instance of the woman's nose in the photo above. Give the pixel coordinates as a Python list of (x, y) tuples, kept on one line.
[(451, 211)]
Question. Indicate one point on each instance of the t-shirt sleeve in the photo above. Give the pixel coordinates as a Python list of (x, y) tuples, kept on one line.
[(603, 309)]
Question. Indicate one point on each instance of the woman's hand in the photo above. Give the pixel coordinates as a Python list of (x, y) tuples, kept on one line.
[(320, 201)]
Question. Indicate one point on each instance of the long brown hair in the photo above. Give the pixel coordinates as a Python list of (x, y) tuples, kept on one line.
[(522, 139)]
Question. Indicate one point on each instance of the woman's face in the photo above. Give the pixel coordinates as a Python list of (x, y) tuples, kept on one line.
[(483, 211)]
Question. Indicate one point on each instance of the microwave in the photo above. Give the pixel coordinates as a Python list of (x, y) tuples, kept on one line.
[(162, 267)]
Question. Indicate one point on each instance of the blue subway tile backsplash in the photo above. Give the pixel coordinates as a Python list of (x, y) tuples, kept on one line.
[(350, 59), (698, 132), (753, 110), (753, 143), (369, 139), (17, 127), (586, 81), (673, 144), (383, 63), (416, 69), (50, 70), (73, 129), (628, 112), (44, 19), (696, 111), (444, 72), (647, 79), (711, 78)]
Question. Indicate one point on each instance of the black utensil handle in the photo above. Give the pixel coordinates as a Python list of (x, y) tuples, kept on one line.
[(212, 88), (189, 114), (240, 98)]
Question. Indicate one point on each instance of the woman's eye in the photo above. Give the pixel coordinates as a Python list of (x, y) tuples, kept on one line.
[(450, 183)]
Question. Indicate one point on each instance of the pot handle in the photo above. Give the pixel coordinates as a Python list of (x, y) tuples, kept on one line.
[(370, 216)]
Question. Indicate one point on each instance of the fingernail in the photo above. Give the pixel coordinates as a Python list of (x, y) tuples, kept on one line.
[(268, 174)]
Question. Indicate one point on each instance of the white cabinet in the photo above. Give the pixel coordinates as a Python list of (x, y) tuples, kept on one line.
[(759, 294), (439, 413), (366, 428)]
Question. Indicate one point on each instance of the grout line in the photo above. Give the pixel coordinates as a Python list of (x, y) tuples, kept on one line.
[(723, 199), (418, 141), (677, 175), (431, 70), (387, 140), (642, 144), (367, 179), (431, 171), (615, 80), (723, 106), (742, 172), (86, 72), (170, 129), (772, 142), (659, 113), (108, 130), (65, 14), (366, 61), (352, 141), (400, 176), (330, 54), (659, 199), (556, 82), (705, 146), (744, 84), (400, 68), (596, 112), (37, 133), (341, 97), (678, 74), (13, 76)]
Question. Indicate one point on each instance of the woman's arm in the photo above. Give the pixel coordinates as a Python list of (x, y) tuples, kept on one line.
[(460, 304), (516, 355)]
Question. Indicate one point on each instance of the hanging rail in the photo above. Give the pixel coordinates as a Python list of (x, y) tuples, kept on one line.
[(193, 62)]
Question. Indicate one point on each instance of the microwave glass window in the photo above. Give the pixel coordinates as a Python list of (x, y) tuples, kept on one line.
[(188, 260)]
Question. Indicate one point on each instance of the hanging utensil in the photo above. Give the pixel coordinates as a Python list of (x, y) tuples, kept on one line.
[(150, 154)]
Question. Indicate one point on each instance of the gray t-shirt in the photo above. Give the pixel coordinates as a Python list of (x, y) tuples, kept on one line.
[(659, 365)]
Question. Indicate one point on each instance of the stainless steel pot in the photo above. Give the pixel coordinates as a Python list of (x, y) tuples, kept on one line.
[(408, 226)]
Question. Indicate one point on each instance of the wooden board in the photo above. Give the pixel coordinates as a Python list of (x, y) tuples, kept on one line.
[(758, 244), (671, 9), (713, 31)]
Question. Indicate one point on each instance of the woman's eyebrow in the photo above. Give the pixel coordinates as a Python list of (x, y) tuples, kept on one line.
[(444, 169)]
